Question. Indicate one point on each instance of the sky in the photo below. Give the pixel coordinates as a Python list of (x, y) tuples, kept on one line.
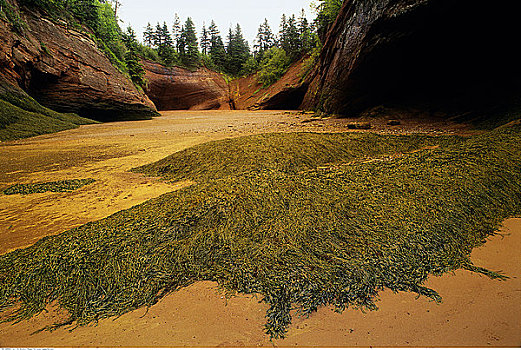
[(248, 13)]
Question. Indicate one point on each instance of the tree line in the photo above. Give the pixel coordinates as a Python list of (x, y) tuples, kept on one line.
[(180, 44)]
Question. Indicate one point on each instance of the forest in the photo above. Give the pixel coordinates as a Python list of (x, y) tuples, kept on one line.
[(180, 44)]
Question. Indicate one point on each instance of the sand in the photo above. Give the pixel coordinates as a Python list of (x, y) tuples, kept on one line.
[(476, 311)]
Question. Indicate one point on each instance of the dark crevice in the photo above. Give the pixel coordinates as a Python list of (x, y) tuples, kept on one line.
[(451, 56)]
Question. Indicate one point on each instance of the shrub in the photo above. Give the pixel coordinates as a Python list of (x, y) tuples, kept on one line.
[(273, 66)]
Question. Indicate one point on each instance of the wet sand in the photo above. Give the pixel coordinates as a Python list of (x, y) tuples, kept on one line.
[(476, 311)]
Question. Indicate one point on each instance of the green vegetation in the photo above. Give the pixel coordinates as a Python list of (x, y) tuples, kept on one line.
[(42, 187), (273, 66), (132, 61), (327, 13), (282, 151), (301, 233), (296, 38), (8, 12), (21, 116), (98, 17)]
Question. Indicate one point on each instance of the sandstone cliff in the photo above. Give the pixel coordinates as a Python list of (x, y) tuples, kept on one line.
[(63, 69), (173, 88), (286, 93), (438, 54)]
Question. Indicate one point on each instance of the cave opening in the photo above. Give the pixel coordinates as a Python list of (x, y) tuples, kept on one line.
[(288, 99), (449, 56)]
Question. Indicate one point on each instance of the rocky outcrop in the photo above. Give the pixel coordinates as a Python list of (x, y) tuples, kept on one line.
[(174, 88), (437, 54), (63, 69), (287, 93)]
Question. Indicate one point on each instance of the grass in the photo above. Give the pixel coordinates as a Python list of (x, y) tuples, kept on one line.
[(21, 116), (303, 231), (42, 187)]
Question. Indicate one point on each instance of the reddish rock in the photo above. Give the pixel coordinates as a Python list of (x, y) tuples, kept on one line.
[(174, 88), (286, 93), (64, 70)]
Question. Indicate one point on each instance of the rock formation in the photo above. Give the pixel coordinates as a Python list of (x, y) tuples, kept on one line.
[(173, 88), (286, 93), (63, 69), (438, 54)]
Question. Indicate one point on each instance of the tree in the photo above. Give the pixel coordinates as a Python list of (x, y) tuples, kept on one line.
[(237, 51), (176, 31), (148, 35), (283, 32), (265, 40), (163, 42), (293, 43), (190, 53), (327, 13), (217, 50), (157, 40), (132, 60), (273, 66), (305, 33), (205, 40)]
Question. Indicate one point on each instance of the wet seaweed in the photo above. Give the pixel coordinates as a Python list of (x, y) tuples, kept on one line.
[(301, 237), (42, 187), (285, 152)]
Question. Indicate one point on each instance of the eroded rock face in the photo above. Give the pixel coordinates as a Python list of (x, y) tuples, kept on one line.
[(287, 93), (436, 54), (64, 70), (174, 88)]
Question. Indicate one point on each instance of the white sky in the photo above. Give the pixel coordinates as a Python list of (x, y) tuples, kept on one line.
[(248, 13)]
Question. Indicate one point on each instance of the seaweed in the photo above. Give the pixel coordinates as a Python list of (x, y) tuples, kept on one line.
[(42, 187), (301, 232)]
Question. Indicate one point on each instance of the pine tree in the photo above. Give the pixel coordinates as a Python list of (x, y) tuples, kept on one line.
[(132, 60), (237, 51), (205, 40), (176, 31), (181, 42), (165, 47), (305, 33), (157, 40), (217, 50), (190, 53), (265, 40), (283, 33), (166, 37), (148, 35), (293, 39)]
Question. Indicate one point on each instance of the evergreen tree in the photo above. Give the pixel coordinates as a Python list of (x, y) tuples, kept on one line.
[(190, 53), (132, 60), (283, 33), (293, 43), (217, 51), (157, 39), (265, 40), (305, 33), (163, 42), (166, 37), (327, 12), (176, 31), (237, 51), (181, 42), (205, 40), (148, 35)]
